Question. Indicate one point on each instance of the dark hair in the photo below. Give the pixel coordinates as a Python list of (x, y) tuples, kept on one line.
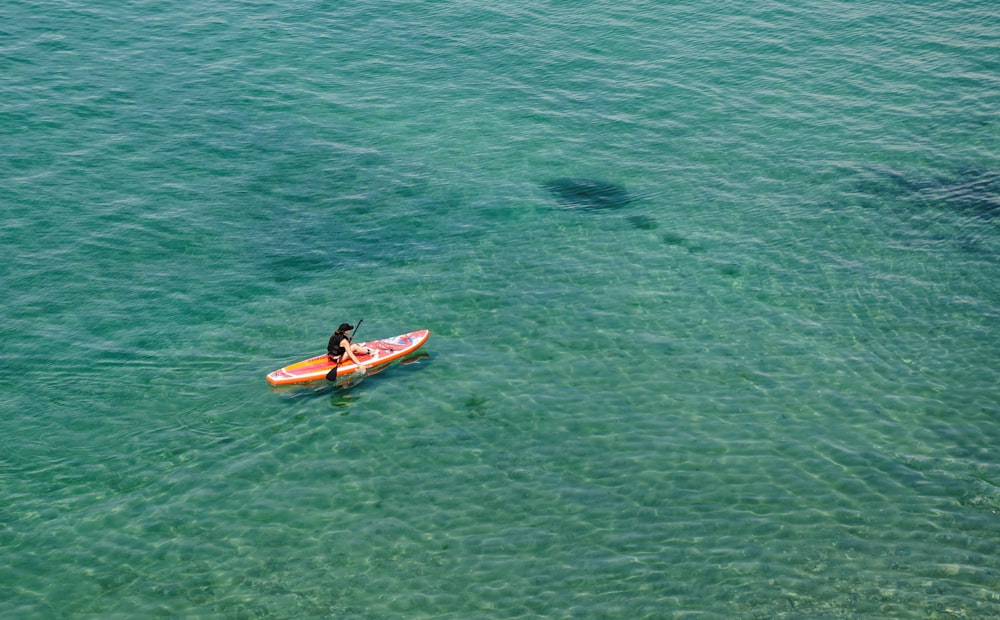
[(344, 327)]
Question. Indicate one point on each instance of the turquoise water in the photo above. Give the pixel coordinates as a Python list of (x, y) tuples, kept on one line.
[(765, 384)]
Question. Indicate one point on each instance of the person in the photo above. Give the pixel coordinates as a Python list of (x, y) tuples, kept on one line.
[(340, 345)]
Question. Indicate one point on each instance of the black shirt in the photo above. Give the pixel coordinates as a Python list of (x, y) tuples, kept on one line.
[(335, 347)]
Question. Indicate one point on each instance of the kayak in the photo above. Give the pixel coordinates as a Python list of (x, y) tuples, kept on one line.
[(382, 353)]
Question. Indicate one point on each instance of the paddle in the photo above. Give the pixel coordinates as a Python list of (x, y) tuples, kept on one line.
[(332, 375)]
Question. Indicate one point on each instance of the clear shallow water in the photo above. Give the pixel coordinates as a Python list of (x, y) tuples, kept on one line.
[(764, 387)]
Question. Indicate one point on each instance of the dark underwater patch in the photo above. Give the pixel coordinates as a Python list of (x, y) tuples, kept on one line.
[(588, 194), (289, 267), (642, 222), (730, 270), (971, 192), (975, 193), (673, 239), (960, 206)]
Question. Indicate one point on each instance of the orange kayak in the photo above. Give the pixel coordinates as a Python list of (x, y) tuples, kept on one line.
[(383, 352)]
